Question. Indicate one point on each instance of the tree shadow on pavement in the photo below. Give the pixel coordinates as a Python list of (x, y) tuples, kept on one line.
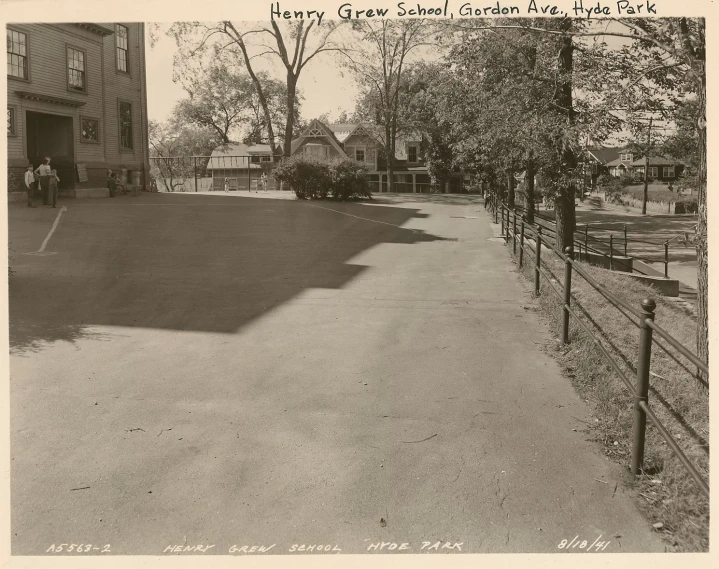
[(197, 263)]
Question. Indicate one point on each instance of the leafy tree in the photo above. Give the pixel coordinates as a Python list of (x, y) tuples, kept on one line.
[(378, 54), (173, 148), (219, 98), (292, 45), (672, 52)]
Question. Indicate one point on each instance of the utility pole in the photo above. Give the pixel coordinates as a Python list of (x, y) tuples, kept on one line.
[(645, 196)]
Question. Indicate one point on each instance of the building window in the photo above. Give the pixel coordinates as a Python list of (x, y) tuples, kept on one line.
[(412, 154), (76, 69), (668, 172), (90, 130), (316, 150), (359, 154), (653, 171), (255, 159), (626, 157), (17, 54), (10, 120), (121, 35), (266, 158), (125, 123)]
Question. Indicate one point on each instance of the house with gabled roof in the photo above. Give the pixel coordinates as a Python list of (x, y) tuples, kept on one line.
[(364, 142)]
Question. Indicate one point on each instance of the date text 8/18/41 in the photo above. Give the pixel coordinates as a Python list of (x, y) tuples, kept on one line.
[(78, 548)]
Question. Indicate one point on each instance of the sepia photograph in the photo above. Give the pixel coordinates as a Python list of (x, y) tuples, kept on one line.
[(351, 280)]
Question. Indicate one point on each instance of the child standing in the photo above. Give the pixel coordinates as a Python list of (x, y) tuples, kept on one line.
[(30, 185)]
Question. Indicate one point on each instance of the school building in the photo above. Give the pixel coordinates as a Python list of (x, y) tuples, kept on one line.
[(77, 93)]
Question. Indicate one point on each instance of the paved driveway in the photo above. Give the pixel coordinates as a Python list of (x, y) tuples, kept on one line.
[(226, 371)]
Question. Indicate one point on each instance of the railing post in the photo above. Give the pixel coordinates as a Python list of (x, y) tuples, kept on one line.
[(625, 240), (611, 252), (568, 257), (506, 227), (521, 243), (666, 259), (537, 259), (514, 231), (195, 170), (501, 204), (642, 388)]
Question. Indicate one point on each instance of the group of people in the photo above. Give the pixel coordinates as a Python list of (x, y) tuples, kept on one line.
[(263, 183), (46, 179), (115, 182)]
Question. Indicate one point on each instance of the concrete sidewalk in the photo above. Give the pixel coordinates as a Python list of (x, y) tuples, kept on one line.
[(410, 402)]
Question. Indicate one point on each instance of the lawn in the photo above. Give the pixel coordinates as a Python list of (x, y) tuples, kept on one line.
[(658, 193)]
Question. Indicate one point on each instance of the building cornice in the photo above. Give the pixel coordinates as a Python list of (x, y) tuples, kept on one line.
[(49, 99), (99, 29)]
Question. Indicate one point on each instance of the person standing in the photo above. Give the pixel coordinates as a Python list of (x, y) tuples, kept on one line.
[(44, 172), (52, 188), (30, 185), (227, 185), (263, 181), (111, 183)]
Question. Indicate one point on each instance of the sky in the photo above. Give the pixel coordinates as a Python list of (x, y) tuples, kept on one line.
[(323, 88)]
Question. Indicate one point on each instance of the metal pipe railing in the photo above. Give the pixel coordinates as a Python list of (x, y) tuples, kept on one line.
[(646, 325)]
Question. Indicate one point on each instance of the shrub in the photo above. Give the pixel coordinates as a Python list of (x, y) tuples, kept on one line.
[(309, 178), (349, 179), (13, 182)]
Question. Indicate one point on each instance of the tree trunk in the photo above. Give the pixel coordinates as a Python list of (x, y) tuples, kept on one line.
[(390, 159), (237, 38), (529, 185), (564, 204), (510, 188), (701, 233), (291, 98)]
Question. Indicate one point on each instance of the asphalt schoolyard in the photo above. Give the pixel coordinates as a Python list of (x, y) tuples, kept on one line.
[(220, 370)]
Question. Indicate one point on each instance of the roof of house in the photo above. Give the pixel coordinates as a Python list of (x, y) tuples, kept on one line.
[(235, 155), (604, 155), (653, 161), (259, 149), (656, 161), (618, 161), (342, 131)]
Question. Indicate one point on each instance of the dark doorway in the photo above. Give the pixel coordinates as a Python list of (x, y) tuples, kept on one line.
[(53, 136)]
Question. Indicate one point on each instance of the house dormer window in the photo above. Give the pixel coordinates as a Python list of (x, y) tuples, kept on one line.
[(412, 153), (626, 157)]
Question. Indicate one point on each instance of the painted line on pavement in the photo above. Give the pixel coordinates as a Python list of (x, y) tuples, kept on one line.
[(41, 250), (363, 218)]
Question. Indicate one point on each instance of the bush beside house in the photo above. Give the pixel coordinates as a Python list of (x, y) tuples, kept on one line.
[(314, 178)]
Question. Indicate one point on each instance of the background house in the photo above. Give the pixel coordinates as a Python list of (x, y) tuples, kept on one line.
[(363, 142), (622, 164), (241, 164), (77, 93), (661, 169)]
